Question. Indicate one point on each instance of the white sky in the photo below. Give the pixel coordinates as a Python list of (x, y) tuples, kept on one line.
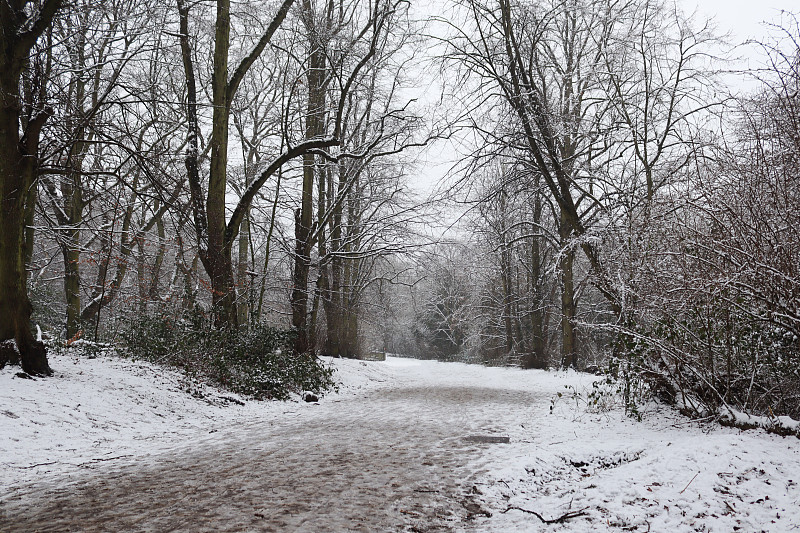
[(743, 18)]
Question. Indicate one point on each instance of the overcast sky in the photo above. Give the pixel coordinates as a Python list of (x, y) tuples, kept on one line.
[(743, 18)]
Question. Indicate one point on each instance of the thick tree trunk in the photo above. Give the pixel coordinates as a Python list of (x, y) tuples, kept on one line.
[(315, 113), (332, 270), (70, 240), (72, 284), (20, 26), (17, 173), (299, 297), (565, 264), (217, 257), (537, 357), (349, 341), (219, 267)]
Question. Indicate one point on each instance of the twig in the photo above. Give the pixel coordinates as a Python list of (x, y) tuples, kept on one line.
[(100, 459), (690, 482), (425, 490), (730, 507), (694, 421), (34, 466), (561, 519)]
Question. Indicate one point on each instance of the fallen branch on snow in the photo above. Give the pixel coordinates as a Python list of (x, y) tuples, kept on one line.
[(690, 482), (560, 520)]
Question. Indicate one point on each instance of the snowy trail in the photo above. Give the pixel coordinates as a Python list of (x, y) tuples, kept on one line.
[(114, 445), (394, 459)]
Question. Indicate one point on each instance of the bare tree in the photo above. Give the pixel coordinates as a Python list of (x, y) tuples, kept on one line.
[(601, 96)]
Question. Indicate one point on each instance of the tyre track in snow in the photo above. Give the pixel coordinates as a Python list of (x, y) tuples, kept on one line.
[(394, 459)]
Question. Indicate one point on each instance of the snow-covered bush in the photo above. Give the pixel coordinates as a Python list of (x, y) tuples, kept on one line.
[(714, 305), (712, 358)]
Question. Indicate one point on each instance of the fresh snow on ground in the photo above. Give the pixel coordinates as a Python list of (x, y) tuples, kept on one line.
[(412, 426), (97, 409)]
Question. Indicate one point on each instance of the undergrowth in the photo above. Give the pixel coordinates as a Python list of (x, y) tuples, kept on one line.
[(256, 362)]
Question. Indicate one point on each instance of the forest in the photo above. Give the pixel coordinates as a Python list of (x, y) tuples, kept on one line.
[(230, 188)]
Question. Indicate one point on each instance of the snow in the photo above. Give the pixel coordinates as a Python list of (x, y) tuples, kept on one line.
[(776, 423), (95, 409), (398, 426)]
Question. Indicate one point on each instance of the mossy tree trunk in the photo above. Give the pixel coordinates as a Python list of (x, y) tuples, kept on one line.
[(21, 24)]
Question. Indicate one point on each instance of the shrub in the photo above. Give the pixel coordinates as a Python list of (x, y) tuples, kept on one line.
[(258, 363), (713, 357)]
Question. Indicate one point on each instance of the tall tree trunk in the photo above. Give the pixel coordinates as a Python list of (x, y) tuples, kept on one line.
[(350, 271), (21, 24), (565, 264), (215, 236), (242, 273), (537, 357), (217, 257), (141, 276), (302, 265), (508, 311), (333, 297), (155, 274), (72, 283), (70, 240), (304, 216), (18, 169)]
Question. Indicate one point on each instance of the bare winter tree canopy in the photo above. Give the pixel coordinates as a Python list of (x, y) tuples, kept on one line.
[(399, 265), (180, 179)]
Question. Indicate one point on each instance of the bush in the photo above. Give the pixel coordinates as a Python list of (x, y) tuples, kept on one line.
[(713, 358), (258, 363)]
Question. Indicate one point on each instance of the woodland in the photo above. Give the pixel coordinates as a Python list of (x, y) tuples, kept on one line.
[(229, 188)]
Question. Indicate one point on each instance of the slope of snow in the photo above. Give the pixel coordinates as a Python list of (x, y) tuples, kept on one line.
[(665, 473), (99, 409)]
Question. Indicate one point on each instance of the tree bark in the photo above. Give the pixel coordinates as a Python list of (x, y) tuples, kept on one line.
[(565, 264), (242, 271), (315, 115), (18, 170), (536, 357), (216, 235), (17, 175)]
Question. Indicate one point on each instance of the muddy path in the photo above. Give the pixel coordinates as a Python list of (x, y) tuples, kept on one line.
[(394, 459)]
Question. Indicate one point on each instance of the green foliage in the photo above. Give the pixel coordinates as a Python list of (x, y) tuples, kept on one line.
[(258, 363), (613, 389), (715, 355), (622, 378)]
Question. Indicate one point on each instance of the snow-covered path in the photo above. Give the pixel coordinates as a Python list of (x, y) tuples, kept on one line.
[(389, 459), (376, 463), (390, 453)]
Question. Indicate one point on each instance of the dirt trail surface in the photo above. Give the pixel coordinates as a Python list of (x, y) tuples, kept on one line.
[(390, 459)]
